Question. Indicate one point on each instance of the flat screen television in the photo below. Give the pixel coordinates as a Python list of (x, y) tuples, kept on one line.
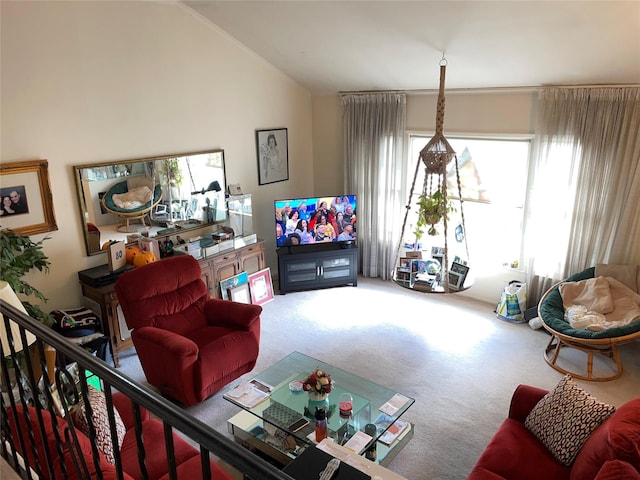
[(313, 220)]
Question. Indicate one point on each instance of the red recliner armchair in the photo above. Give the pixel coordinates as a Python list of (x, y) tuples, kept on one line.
[(189, 345)]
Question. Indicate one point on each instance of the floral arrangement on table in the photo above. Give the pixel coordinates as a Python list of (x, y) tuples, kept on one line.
[(318, 382)]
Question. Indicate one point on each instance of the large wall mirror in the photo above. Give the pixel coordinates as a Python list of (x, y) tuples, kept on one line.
[(150, 196)]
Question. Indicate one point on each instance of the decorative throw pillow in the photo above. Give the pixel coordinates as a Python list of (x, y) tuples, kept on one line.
[(100, 419), (565, 418)]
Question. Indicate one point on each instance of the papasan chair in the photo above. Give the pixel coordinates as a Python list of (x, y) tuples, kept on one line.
[(132, 201), (604, 343)]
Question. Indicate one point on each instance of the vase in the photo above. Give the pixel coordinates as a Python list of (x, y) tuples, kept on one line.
[(317, 397), (318, 401)]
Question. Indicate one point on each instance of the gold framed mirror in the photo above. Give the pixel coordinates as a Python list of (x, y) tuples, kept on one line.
[(170, 194)]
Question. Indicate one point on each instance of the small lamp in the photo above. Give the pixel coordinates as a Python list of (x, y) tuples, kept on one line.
[(7, 295), (213, 187)]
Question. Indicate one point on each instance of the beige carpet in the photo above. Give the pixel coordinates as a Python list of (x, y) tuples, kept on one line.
[(451, 354)]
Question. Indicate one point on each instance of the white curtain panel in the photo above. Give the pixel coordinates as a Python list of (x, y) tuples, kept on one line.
[(373, 136), (583, 192)]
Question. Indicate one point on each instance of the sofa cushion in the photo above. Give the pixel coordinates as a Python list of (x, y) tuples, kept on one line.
[(192, 469), (123, 404), (71, 465), (515, 453), (100, 419), (21, 427), (616, 470), (565, 418), (154, 449), (618, 438)]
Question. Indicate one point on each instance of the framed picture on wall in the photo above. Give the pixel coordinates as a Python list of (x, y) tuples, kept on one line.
[(27, 204), (273, 155)]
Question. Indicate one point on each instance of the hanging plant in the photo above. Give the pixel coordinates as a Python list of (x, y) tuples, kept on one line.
[(431, 211), (18, 256), (171, 171)]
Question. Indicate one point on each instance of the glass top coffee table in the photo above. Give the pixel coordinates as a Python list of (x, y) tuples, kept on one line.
[(269, 424)]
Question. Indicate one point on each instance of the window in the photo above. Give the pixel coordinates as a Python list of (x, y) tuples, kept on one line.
[(493, 177)]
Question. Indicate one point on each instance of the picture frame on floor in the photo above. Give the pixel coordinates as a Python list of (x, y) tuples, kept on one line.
[(405, 262), (232, 282), (240, 293), (460, 269), (439, 259), (261, 287), (418, 265), (455, 281)]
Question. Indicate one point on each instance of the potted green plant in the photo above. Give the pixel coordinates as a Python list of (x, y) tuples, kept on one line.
[(431, 211), (18, 256)]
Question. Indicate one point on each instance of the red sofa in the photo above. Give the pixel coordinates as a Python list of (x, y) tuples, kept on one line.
[(188, 464), (611, 452)]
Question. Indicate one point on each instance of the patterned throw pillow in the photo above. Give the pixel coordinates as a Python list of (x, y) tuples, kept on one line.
[(100, 419), (565, 418)]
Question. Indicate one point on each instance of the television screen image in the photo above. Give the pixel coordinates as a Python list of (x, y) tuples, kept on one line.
[(312, 220)]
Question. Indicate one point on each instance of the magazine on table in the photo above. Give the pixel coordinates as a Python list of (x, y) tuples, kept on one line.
[(394, 428), (247, 395), (394, 404)]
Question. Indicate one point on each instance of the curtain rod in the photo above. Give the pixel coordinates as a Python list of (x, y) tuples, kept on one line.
[(525, 89)]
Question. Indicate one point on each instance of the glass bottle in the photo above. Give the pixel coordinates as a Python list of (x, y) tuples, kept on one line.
[(321, 424), (371, 453), (347, 425)]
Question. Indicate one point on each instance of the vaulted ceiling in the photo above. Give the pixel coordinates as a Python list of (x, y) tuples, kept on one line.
[(332, 46)]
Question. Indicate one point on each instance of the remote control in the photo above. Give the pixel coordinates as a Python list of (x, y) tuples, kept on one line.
[(328, 472)]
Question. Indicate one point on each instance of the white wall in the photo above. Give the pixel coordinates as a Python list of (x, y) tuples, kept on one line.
[(87, 82)]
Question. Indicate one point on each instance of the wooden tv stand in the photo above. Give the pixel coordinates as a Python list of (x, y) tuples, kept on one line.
[(309, 267)]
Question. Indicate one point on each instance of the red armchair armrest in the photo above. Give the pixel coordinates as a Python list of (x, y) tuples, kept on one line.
[(523, 400), (231, 314), (165, 342)]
